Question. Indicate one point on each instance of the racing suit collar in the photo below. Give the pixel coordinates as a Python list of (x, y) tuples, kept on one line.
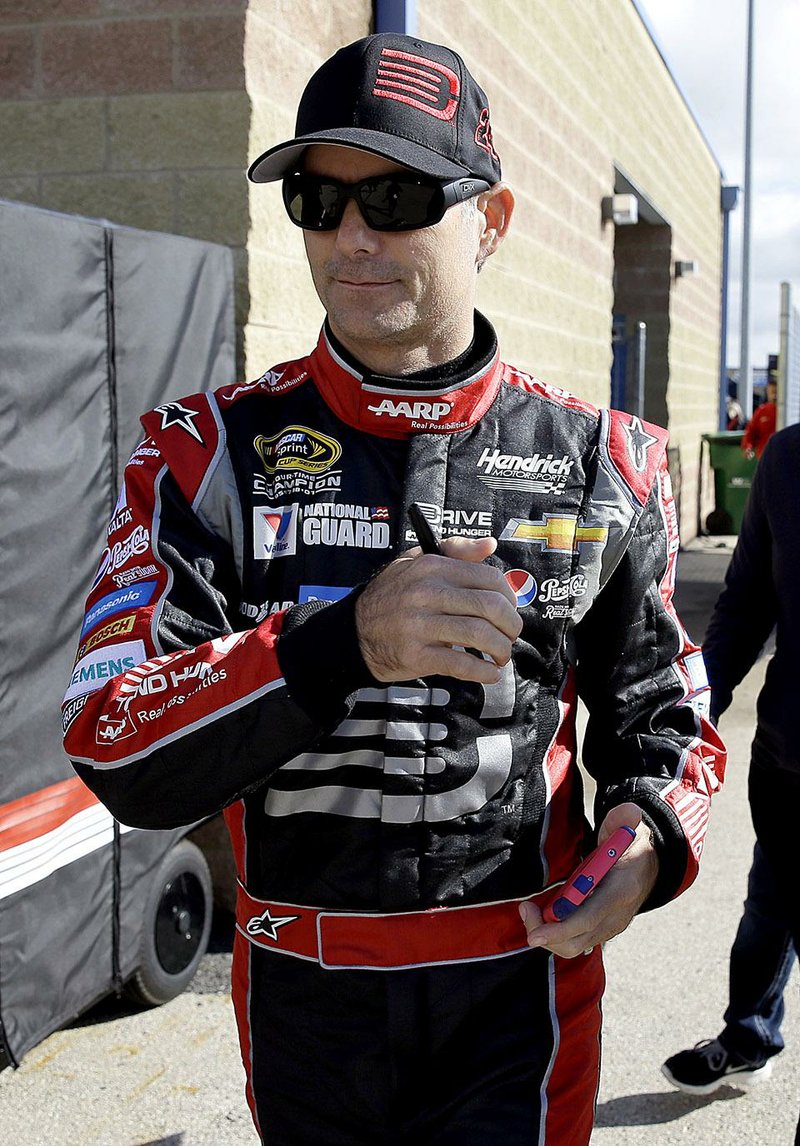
[(443, 400)]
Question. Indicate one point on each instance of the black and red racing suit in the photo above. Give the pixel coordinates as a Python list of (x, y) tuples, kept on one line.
[(219, 668)]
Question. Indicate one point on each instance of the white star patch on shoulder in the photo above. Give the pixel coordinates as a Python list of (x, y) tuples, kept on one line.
[(174, 414), (639, 442)]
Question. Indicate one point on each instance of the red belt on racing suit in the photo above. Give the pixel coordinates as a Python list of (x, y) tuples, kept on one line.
[(370, 941)]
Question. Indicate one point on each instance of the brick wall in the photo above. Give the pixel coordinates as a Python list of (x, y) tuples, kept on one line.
[(130, 110), (578, 89), (284, 44)]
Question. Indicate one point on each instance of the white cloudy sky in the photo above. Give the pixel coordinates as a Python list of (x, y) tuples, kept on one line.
[(704, 43)]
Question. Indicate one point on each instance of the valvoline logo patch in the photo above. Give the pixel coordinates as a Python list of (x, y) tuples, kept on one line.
[(275, 531), (523, 585)]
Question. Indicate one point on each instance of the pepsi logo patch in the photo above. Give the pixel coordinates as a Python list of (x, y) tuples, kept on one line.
[(523, 585)]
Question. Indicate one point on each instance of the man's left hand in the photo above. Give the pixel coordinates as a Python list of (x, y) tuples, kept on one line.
[(610, 908)]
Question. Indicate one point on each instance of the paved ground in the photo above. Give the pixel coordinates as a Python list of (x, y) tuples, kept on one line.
[(172, 1077)]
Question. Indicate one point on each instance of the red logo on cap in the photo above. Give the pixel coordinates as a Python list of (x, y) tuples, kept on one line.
[(424, 84), (483, 134)]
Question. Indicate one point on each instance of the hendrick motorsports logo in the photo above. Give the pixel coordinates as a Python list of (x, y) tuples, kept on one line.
[(297, 448), (535, 473)]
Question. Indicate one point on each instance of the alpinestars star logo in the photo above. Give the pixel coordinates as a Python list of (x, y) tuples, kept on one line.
[(268, 924), (639, 442), (174, 414)]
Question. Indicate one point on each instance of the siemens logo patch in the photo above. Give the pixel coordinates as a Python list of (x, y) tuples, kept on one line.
[(132, 598), (93, 670)]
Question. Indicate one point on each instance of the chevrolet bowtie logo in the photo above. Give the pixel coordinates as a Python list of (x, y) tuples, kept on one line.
[(556, 534), (268, 924)]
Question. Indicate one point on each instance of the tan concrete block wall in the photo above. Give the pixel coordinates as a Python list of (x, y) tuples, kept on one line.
[(577, 87), (284, 43), (130, 110)]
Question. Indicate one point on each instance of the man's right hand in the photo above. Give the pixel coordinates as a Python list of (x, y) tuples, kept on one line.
[(420, 614)]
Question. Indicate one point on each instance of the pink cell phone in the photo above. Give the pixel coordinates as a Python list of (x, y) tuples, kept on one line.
[(585, 878)]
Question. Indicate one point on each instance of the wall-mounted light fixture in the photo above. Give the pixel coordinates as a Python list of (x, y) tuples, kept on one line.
[(623, 210), (685, 267)]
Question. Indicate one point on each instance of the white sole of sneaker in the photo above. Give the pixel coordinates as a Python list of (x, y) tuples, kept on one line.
[(742, 1079)]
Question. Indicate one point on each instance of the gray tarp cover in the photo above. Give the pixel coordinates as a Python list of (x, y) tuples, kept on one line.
[(97, 324)]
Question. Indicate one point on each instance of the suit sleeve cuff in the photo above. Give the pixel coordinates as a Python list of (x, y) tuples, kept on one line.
[(320, 658)]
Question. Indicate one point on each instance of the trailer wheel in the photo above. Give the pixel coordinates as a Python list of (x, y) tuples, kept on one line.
[(176, 927)]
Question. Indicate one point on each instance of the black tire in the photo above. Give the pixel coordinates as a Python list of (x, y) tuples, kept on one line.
[(719, 521), (175, 927)]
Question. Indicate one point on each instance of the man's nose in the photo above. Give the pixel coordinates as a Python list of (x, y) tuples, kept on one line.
[(353, 233)]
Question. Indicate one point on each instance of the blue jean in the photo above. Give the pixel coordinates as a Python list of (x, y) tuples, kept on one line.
[(761, 960)]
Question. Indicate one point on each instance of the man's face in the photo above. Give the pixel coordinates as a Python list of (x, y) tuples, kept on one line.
[(396, 301), (772, 391)]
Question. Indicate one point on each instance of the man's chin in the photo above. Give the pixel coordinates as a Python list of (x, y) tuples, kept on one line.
[(391, 325)]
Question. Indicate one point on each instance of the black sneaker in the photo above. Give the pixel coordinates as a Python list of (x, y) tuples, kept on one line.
[(708, 1066)]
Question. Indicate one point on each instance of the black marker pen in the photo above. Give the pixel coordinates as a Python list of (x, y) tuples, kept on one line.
[(428, 541)]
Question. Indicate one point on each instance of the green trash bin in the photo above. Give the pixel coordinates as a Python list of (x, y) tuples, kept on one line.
[(733, 476)]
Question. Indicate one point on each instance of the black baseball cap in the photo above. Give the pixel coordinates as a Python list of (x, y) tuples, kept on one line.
[(405, 99)]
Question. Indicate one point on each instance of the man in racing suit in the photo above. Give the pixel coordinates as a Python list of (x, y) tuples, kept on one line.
[(391, 733)]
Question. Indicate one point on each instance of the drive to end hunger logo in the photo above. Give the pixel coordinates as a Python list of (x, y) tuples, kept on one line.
[(523, 585), (274, 531)]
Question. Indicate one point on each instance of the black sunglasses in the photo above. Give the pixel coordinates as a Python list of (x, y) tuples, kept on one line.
[(387, 202)]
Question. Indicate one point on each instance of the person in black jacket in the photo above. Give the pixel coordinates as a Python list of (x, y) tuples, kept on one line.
[(265, 636), (762, 593)]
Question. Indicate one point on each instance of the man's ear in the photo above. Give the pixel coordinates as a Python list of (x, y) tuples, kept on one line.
[(497, 206)]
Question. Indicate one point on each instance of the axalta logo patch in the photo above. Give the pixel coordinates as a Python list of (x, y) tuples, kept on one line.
[(414, 411), (274, 531)]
